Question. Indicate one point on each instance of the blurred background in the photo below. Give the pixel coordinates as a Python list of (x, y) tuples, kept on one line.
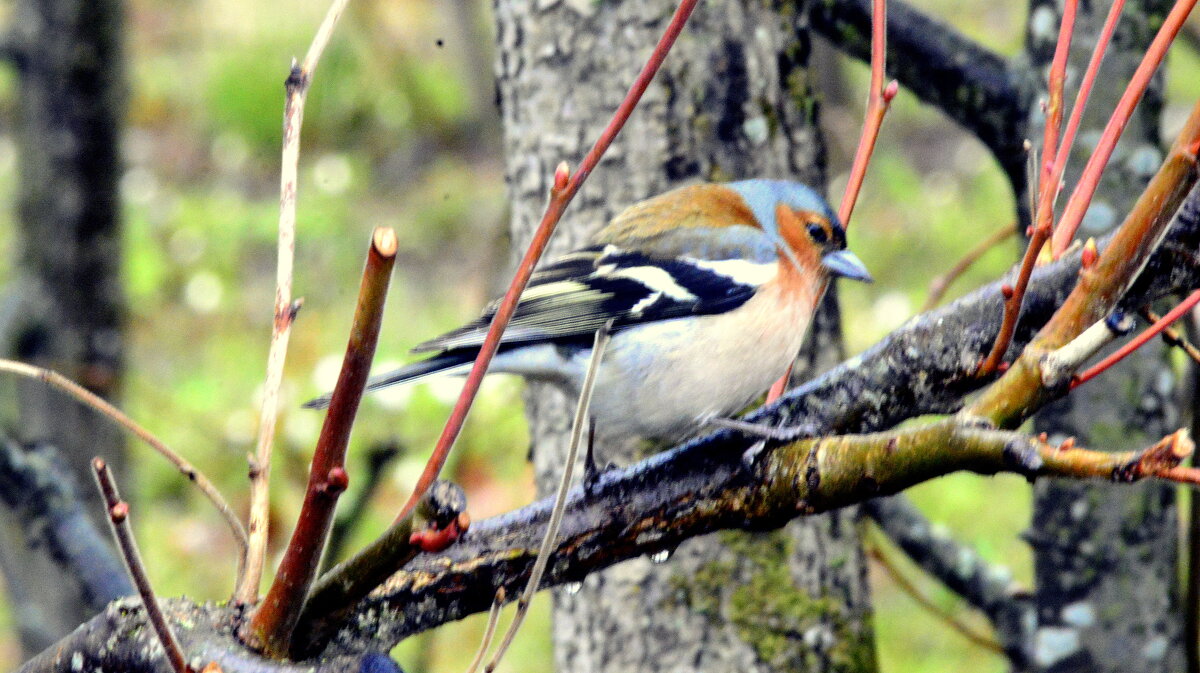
[(401, 130)]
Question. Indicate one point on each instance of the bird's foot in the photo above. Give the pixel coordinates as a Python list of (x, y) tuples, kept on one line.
[(779, 433), (782, 433)]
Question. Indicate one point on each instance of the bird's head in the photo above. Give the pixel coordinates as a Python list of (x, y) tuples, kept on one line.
[(803, 227)]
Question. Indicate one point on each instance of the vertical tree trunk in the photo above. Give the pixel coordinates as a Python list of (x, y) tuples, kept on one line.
[(65, 308), (731, 102), (1105, 556)]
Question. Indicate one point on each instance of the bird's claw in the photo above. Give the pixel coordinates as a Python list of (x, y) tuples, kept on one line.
[(781, 433)]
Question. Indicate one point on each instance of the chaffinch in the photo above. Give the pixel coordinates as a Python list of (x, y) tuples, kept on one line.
[(710, 289)]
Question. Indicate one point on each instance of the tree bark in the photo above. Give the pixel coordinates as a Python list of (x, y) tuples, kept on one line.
[(1105, 558), (65, 309), (732, 101)]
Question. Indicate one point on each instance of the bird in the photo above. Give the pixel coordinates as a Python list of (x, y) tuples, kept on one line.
[(708, 290)]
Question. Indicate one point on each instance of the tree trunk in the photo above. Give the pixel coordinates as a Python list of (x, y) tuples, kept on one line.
[(732, 101), (65, 309), (1105, 555)]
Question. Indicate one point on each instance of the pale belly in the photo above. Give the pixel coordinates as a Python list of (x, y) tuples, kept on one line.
[(697, 372), (697, 368)]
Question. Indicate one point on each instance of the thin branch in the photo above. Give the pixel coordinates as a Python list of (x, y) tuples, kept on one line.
[(1101, 284), (489, 632), (876, 553), (1089, 180), (938, 286), (1048, 183), (1054, 105), (297, 84), (118, 519), (1140, 340), (565, 188), (270, 629), (560, 497), (90, 399), (1081, 99), (879, 99), (974, 86), (1172, 337), (983, 585)]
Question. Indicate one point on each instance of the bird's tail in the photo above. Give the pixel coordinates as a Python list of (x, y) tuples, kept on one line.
[(405, 374)]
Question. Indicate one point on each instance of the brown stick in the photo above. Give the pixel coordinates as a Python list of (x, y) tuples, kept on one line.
[(270, 630), (939, 285), (297, 85), (877, 554), (118, 519)]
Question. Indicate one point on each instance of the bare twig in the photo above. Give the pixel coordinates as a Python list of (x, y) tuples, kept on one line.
[(1089, 180), (1081, 98), (939, 285), (118, 519), (1048, 186), (270, 630), (879, 99), (560, 498), (297, 84), (90, 399), (1102, 281), (877, 554), (489, 632), (1173, 337)]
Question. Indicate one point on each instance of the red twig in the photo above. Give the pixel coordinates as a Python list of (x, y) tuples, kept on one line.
[(1089, 180), (1175, 338), (1054, 106), (118, 519), (1138, 341), (271, 627), (565, 188), (297, 85), (1014, 295), (879, 98), (1081, 99)]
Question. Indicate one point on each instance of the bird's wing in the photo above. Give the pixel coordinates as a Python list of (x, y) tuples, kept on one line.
[(572, 297)]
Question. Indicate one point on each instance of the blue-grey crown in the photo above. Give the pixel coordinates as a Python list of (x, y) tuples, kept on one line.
[(764, 195)]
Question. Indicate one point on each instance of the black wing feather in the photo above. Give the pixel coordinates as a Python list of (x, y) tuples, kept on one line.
[(572, 297)]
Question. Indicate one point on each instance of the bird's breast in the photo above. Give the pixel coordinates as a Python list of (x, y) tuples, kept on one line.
[(663, 379)]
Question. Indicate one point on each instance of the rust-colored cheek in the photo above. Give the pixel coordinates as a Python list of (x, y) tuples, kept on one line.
[(792, 229)]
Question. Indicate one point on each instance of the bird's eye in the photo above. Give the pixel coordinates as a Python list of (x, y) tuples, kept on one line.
[(817, 233)]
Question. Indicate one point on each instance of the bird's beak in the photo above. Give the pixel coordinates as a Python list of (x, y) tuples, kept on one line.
[(847, 265)]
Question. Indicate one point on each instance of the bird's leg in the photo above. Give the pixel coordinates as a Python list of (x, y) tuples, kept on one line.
[(591, 473)]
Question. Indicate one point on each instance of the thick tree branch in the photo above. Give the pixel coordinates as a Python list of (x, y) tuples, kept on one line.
[(36, 487), (975, 87)]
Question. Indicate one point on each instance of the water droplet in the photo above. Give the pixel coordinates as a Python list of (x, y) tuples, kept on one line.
[(573, 588), (660, 557)]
